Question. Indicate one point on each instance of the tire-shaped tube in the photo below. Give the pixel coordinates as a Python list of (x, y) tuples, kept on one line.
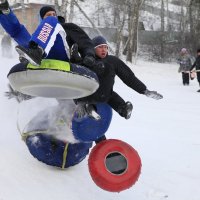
[(53, 79), (103, 177)]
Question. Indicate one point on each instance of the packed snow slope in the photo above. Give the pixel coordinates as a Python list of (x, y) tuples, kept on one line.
[(165, 133)]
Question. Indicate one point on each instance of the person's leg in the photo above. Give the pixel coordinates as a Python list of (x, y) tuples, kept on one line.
[(184, 78), (198, 79), (187, 78), (115, 101), (182, 73), (119, 105)]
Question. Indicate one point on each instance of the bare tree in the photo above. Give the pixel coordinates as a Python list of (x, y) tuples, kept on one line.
[(168, 22), (71, 12), (23, 12), (61, 8), (133, 23), (119, 36), (162, 41), (194, 23)]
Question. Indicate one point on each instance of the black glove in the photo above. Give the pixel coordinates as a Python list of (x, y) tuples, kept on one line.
[(4, 7), (89, 61), (74, 55), (153, 94), (96, 66), (99, 68)]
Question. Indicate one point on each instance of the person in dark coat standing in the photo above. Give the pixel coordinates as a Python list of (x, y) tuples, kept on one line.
[(114, 66), (185, 62), (197, 66)]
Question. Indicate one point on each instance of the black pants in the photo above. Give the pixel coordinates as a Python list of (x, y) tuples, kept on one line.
[(198, 77), (186, 78), (113, 99), (116, 102)]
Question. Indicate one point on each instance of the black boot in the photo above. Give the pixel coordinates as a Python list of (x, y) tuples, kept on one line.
[(91, 112), (125, 110), (87, 110), (102, 138), (4, 7), (32, 55), (74, 55)]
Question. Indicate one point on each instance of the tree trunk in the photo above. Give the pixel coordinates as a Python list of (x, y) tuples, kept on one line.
[(23, 13), (91, 22), (119, 35), (162, 31), (133, 23), (61, 8), (71, 14)]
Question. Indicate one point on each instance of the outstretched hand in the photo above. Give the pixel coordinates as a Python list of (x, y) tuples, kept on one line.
[(153, 94)]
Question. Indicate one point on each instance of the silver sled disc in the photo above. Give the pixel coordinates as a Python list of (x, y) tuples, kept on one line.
[(55, 83)]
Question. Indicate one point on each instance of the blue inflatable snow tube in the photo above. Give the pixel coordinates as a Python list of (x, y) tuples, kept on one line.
[(55, 152), (87, 129)]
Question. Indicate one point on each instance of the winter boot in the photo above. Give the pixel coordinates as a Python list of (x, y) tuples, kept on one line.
[(91, 112), (102, 138), (32, 55), (87, 110), (4, 7), (198, 90), (125, 110)]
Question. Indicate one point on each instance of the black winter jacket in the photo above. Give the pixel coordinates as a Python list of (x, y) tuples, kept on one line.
[(196, 64), (77, 35), (113, 67)]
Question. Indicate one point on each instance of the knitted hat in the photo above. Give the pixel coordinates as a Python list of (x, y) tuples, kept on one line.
[(183, 50), (45, 9), (99, 40)]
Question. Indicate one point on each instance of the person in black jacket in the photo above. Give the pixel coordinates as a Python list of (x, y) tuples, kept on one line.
[(185, 61), (114, 66), (197, 66)]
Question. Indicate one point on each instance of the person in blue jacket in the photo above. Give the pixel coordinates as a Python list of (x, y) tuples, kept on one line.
[(49, 149), (52, 39)]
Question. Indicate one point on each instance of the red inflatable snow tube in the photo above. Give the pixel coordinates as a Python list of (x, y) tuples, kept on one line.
[(114, 165)]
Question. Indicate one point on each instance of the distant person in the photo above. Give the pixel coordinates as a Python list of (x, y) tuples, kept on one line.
[(197, 66), (185, 62), (6, 46)]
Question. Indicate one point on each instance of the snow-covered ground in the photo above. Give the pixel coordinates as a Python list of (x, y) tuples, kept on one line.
[(165, 133)]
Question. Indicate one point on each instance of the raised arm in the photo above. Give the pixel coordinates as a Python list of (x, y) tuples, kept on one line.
[(17, 31)]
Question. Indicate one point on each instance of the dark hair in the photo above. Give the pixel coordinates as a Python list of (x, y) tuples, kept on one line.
[(198, 50), (46, 9)]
